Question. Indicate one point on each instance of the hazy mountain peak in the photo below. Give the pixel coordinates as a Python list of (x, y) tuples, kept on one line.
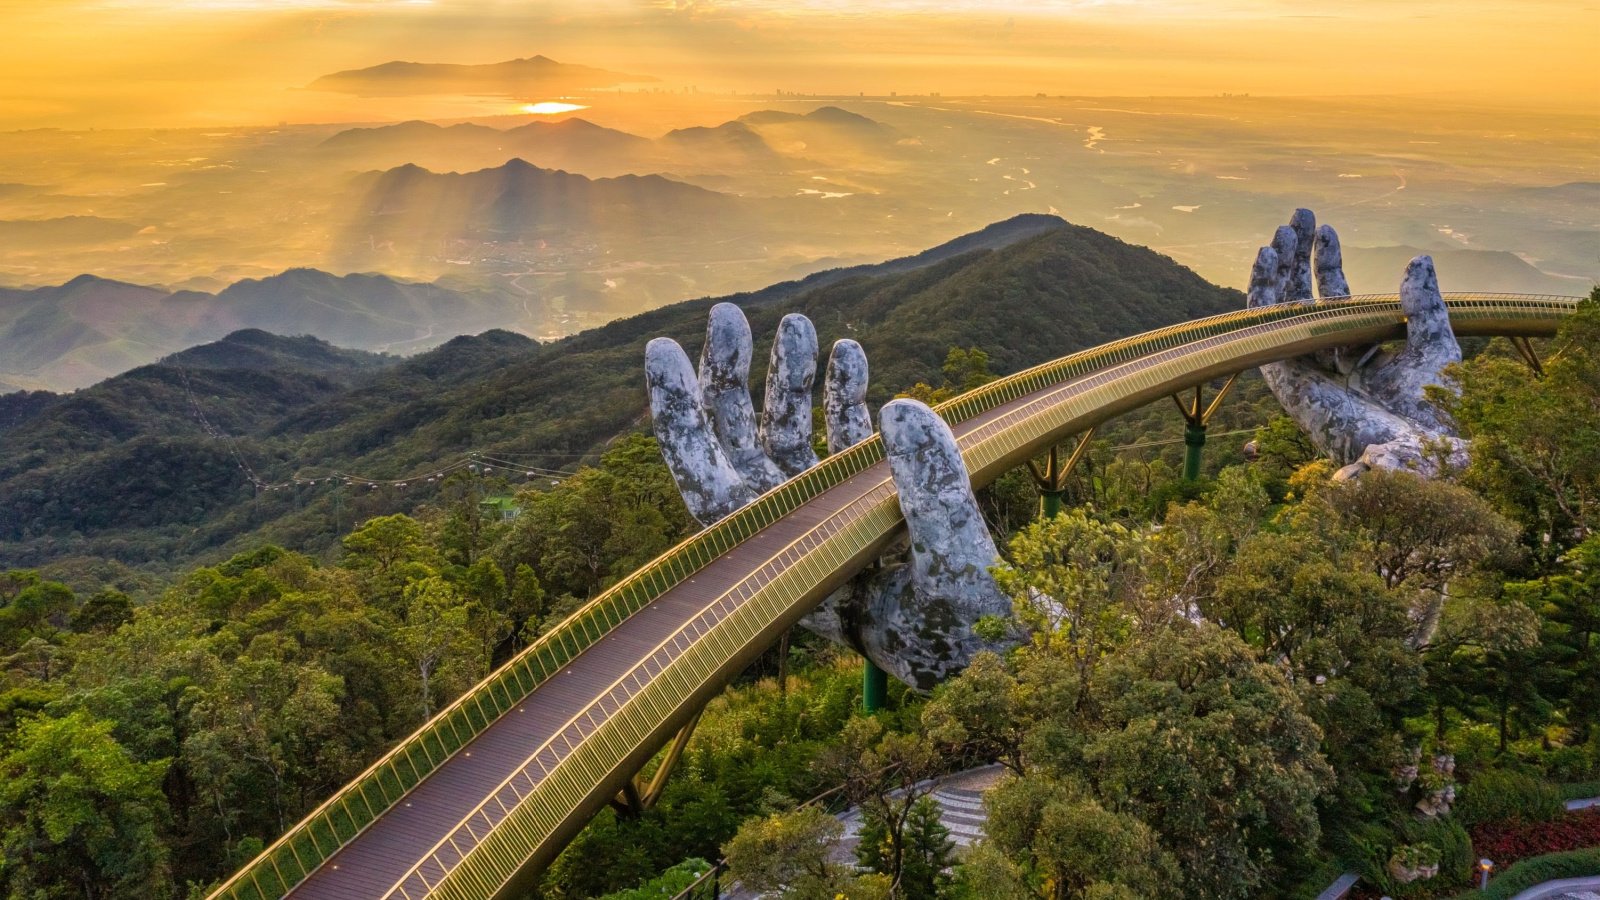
[(513, 77)]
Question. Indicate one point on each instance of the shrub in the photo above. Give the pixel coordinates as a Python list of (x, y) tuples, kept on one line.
[(1580, 790), (1538, 870), (668, 884), (1571, 764), (1368, 848), (1501, 796)]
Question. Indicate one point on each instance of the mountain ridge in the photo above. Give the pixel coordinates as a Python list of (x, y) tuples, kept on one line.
[(1026, 290), (510, 77)]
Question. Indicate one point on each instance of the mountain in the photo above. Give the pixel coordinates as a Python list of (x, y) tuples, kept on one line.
[(1372, 270), (519, 78), (826, 132), (1025, 290), (573, 144), (412, 211), (764, 142), (731, 146), (75, 334)]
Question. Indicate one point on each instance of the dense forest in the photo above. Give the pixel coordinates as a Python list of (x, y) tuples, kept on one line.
[(1234, 688)]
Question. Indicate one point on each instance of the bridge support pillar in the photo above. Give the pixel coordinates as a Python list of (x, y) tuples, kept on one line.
[(638, 795), (1196, 416), (1051, 480), (874, 686), (1524, 348), (1194, 442)]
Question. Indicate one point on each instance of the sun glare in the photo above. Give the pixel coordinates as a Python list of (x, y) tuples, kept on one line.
[(550, 108)]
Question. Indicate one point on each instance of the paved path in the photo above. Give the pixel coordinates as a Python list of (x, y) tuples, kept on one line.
[(1584, 888), (960, 799)]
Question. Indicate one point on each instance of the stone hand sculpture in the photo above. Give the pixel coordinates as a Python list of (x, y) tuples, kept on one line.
[(1362, 406), (914, 619)]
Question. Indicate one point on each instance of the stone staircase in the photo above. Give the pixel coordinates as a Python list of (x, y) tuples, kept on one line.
[(960, 799)]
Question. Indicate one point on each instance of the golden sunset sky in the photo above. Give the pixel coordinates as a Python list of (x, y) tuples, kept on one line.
[(123, 63)]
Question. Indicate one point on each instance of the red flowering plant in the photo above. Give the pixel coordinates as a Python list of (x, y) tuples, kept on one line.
[(1507, 842)]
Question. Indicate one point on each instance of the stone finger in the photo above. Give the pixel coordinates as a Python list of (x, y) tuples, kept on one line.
[(844, 396), (710, 486), (725, 388), (1431, 345), (1263, 279), (1285, 245), (1330, 265), (920, 616), (1304, 225), (786, 412), (950, 542)]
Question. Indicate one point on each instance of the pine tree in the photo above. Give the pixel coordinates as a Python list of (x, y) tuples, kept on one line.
[(929, 852)]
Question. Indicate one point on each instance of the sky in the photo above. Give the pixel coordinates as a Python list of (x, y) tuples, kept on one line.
[(137, 63)]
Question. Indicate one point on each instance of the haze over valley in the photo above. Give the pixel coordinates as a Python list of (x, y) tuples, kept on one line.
[(638, 195)]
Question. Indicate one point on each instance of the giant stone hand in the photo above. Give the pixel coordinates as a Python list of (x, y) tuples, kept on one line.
[(1362, 406), (914, 619)]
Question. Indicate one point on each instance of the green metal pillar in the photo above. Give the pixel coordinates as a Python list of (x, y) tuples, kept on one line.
[(1196, 415), (874, 686), (1049, 503), (1051, 480), (1194, 441)]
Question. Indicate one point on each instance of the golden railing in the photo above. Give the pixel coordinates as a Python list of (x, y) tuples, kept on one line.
[(530, 813)]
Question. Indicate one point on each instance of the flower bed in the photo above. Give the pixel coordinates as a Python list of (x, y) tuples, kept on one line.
[(1507, 842)]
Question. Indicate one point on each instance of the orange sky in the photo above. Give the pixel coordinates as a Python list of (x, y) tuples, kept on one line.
[(105, 63)]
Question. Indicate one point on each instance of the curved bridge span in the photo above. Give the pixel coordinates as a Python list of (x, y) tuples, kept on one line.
[(479, 799)]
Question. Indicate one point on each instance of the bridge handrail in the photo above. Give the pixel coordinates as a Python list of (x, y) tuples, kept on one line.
[(298, 852)]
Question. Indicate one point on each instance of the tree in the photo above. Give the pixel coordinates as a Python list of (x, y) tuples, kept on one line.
[(884, 774), (37, 610), (265, 743), (1569, 602), (107, 610), (1197, 544), (1422, 531), (79, 817), (1536, 441), (982, 710), (389, 551), (1074, 580), (438, 640), (929, 851), (787, 854), (1067, 843), (1209, 748), (963, 370)]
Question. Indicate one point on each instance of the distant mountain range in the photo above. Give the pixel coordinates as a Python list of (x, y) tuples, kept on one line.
[(148, 468), (529, 79), (763, 141), (75, 334), (517, 201), (1378, 269)]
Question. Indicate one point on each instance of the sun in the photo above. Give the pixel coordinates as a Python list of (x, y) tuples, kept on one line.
[(550, 108)]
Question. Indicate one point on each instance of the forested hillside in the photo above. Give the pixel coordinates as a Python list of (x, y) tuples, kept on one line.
[(1024, 291), (1240, 693)]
